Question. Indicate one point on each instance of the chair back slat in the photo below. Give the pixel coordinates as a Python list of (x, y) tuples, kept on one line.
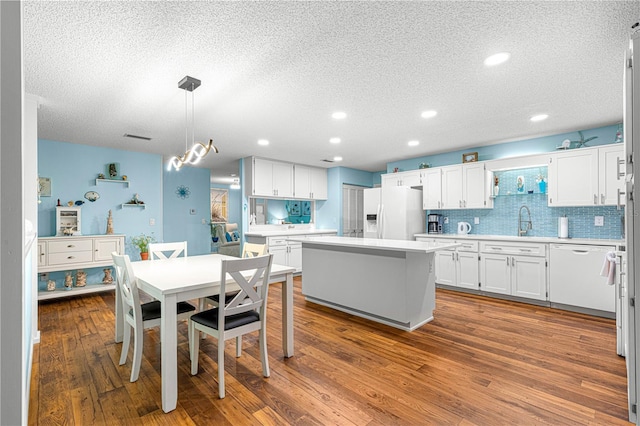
[(252, 276), (158, 250), (253, 250), (127, 285)]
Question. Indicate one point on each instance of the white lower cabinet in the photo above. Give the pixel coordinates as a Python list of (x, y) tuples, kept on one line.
[(78, 252), (457, 267), (286, 252), (516, 269)]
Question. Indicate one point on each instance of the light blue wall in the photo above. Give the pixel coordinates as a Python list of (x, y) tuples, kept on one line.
[(605, 135), (73, 169), (329, 212), (187, 219)]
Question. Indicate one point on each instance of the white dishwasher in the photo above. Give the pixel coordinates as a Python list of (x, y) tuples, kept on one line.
[(574, 277)]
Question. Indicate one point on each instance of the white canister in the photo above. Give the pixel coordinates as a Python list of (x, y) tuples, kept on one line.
[(563, 227)]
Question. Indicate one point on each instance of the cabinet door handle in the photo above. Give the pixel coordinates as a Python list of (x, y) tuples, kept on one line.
[(595, 198), (525, 250), (601, 198), (619, 174), (70, 246), (507, 260), (618, 205), (453, 256), (513, 261), (70, 257)]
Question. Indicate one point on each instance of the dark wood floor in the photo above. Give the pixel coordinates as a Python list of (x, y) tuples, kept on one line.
[(481, 361)]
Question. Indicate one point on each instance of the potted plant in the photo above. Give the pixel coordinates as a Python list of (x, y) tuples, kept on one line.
[(214, 232), (142, 242)]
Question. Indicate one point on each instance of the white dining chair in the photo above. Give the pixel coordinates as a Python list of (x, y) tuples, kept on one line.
[(248, 250), (138, 316), (253, 250), (167, 250), (245, 313)]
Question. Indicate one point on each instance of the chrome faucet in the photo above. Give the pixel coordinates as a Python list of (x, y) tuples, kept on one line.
[(528, 224)]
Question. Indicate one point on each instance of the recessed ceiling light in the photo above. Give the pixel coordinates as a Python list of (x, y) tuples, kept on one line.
[(413, 143), (497, 59), (429, 114), (337, 158), (539, 117), (335, 140), (339, 115), (263, 142)]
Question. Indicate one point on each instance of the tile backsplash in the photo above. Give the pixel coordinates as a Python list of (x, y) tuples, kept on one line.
[(503, 218)]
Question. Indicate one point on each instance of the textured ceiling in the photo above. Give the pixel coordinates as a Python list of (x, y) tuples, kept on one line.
[(277, 70)]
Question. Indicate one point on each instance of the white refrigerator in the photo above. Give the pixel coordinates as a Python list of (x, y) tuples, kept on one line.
[(393, 213), (631, 162)]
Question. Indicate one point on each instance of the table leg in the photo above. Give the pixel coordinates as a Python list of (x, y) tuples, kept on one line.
[(119, 318), (287, 316), (169, 353)]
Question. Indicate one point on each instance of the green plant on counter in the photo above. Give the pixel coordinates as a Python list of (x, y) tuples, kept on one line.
[(142, 242), (214, 231)]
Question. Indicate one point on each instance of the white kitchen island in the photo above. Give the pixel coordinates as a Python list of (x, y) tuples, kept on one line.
[(389, 281)]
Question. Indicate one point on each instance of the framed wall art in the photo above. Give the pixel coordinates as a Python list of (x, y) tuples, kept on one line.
[(469, 157), (44, 186)]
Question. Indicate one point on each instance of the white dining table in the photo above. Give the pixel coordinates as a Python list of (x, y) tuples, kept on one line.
[(187, 278)]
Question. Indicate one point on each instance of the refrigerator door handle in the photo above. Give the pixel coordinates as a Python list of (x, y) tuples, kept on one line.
[(379, 221)]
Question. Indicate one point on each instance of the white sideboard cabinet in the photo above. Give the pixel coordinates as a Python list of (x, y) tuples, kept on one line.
[(77, 252)]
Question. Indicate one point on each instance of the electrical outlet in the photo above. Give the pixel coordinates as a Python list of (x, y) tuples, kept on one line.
[(204, 221), (599, 221), (446, 220), (476, 221), (43, 276), (152, 222)]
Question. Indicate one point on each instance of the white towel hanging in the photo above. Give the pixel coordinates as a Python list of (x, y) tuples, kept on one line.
[(609, 267)]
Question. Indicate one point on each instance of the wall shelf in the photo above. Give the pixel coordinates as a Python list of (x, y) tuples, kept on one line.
[(142, 206), (74, 291), (125, 182)]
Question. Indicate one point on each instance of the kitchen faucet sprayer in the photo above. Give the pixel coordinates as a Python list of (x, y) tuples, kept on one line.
[(528, 224)]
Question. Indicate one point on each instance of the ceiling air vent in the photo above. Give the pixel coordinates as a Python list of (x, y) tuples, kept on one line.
[(129, 135), (326, 160)]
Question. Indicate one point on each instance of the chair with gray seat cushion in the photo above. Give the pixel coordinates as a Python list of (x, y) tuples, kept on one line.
[(244, 313), (138, 316)]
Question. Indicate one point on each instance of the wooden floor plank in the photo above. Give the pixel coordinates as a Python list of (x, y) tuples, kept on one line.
[(480, 361)]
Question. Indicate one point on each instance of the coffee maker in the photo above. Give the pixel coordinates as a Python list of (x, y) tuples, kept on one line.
[(434, 223)]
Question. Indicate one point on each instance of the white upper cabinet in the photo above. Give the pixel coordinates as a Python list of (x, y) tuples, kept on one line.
[(611, 175), (585, 177), (410, 178), (310, 182), (432, 189), (452, 187), (271, 178), (466, 186)]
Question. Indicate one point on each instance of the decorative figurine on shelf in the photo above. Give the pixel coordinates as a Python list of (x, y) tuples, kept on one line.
[(108, 278), (68, 281), (59, 205), (124, 177), (70, 203), (496, 188), (81, 278), (100, 175), (520, 184), (51, 285), (67, 231), (113, 170), (110, 224), (135, 200)]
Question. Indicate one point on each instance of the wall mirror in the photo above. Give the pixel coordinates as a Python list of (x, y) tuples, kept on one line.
[(273, 212)]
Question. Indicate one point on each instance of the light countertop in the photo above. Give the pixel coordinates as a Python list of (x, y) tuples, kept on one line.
[(552, 240), (290, 232), (372, 243)]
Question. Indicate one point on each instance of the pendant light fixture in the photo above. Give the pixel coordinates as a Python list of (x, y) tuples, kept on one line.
[(198, 149)]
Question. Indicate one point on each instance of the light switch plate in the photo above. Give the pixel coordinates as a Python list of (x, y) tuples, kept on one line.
[(476, 221), (599, 221), (192, 211), (152, 222)]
